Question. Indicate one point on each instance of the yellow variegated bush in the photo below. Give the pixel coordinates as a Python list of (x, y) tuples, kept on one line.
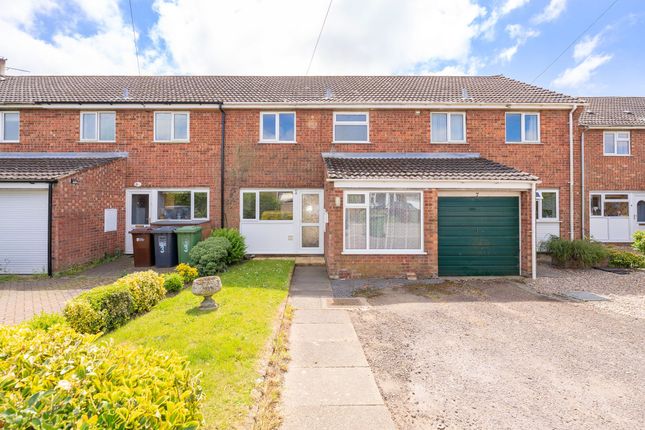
[(60, 379), (146, 288), (187, 272)]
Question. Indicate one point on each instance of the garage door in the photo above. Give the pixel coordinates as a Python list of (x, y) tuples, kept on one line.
[(478, 236), (23, 231)]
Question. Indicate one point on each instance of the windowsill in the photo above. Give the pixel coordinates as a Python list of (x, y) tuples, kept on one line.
[(383, 252), (617, 155), (96, 141), (352, 142), (179, 221), (449, 143), (9, 141), (524, 143), (266, 221), (171, 141), (277, 142), (548, 220)]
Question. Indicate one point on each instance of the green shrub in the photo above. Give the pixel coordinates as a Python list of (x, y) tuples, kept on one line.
[(237, 250), (626, 259), (44, 321), (639, 241), (188, 273), (61, 379), (100, 309), (173, 282), (276, 215), (147, 289), (576, 253), (209, 256)]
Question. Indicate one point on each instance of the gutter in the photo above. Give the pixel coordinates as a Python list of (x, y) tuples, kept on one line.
[(221, 160), (571, 177)]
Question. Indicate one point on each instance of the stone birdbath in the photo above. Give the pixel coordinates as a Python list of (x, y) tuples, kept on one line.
[(206, 287)]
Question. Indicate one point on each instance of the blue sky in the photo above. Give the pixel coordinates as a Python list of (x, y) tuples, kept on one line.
[(517, 38)]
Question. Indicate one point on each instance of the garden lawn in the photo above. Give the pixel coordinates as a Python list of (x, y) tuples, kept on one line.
[(226, 344)]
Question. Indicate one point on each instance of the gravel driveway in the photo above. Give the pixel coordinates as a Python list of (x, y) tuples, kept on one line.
[(494, 355)]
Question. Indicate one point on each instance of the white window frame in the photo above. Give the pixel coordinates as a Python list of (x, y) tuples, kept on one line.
[(277, 127), (172, 127), (366, 206), (365, 123), (2, 120), (257, 219), (96, 126), (192, 191), (523, 128), (448, 130), (615, 153), (602, 195), (539, 205)]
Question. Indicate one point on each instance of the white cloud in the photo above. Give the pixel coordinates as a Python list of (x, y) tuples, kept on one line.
[(585, 47), (487, 27), (511, 5), (551, 12), (521, 35), (580, 74)]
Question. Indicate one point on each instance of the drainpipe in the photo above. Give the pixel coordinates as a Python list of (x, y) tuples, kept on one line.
[(50, 270), (571, 193), (221, 161), (533, 250), (583, 204)]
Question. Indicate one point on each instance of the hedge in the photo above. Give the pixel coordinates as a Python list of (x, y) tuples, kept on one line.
[(60, 379)]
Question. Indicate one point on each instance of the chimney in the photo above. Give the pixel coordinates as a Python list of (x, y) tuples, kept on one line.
[(3, 62)]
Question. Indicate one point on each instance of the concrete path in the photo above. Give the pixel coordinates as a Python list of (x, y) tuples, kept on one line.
[(329, 384)]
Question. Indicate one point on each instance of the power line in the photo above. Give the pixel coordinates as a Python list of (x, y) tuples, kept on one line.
[(311, 60), (575, 40), (134, 37)]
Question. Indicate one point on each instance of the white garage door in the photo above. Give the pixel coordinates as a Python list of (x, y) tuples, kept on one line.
[(23, 231)]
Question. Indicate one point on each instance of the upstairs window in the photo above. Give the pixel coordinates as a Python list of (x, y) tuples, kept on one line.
[(616, 143), (522, 128), (448, 127), (171, 126), (98, 126), (351, 127), (278, 127), (9, 126)]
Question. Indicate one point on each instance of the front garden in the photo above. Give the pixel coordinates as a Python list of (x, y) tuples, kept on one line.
[(139, 353)]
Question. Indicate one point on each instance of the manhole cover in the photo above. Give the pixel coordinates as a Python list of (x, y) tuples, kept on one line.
[(347, 301), (585, 296)]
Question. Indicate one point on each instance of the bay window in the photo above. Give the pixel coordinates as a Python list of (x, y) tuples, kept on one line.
[(383, 222)]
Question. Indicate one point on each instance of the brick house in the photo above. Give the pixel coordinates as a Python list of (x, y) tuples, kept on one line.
[(384, 176)]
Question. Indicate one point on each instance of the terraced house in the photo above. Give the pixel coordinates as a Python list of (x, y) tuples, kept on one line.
[(385, 176)]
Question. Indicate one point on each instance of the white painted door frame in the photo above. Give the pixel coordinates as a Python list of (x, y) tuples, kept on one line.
[(128, 215), (636, 224)]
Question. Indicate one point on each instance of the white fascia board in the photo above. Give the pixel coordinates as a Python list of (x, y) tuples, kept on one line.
[(117, 106), (448, 185), (24, 185), (615, 127)]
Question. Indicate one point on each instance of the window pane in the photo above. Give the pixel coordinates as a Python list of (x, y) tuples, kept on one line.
[(596, 210), (106, 125), (355, 228), (609, 143), (623, 135), (140, 209), (513, 127), (456, 126), (287, 127), (531, 128), (616, 208), (439, 127), (88, 129), (11, 126), (276, 205), (616, 197), (162, 126), (181, 126), (640, 211), (351, 133), (549, 205), (173, 205), (351, 117), (200, 208), (395, 221), (310, 237), (248, 205), (310, 208), (356, 199), (268, 126), (622, 147)]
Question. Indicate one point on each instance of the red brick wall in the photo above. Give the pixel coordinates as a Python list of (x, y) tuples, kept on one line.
[(78, 215), (607, 173)]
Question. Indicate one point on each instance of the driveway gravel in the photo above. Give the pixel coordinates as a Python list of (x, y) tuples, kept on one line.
[(492, 354)]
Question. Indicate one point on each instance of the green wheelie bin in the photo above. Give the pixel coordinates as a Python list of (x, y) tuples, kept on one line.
[(187, 237)]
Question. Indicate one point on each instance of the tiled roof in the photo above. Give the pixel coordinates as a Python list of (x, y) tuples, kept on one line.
[(430, 166), (614, 112), (273, 89), (31, 168)]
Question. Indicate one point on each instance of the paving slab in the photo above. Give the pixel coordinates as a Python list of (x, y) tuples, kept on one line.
[(320, 316), (324, 332), (338, 417), (327, 354), (306, 302), (328, 386), (585, 296)]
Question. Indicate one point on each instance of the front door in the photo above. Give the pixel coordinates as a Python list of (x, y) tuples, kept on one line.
[(137, 213), (637, 214), (311, 221)]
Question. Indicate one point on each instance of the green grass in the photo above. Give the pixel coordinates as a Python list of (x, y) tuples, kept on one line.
[(7, 278), (226, 344)]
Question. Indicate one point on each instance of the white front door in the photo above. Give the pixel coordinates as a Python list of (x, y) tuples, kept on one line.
[(311, 221), (637, 212), (138, 208)]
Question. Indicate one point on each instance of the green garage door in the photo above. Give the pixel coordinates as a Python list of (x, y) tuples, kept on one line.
[(479, 236)]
